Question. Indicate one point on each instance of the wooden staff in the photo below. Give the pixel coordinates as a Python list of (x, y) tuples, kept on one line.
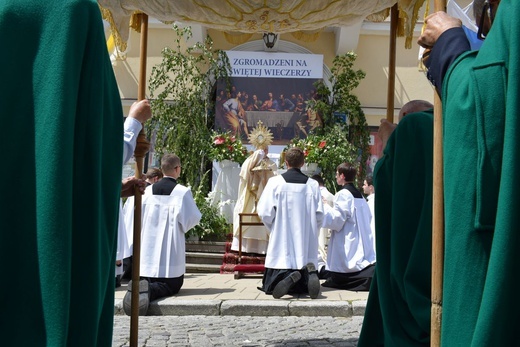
[(394, 17), (141, 149), (437, 214)]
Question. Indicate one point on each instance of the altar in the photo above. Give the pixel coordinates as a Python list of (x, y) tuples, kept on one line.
[(226, 178)]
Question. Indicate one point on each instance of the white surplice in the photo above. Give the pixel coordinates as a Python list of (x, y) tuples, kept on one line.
[(371, 205), (328, 198), (131, 128), (123, 244), (292, 213), (128, 221), (166, 218), (351, 245)]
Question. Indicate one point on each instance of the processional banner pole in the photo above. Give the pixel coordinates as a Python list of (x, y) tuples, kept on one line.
[(437, 214), (141, 149)]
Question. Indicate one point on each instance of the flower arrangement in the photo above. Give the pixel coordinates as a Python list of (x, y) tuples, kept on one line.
[(313, 147), (225, 146), (328, 151)]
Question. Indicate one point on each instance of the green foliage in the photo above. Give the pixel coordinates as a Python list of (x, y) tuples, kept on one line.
[(212, 224), (181, 86), (328, 150), (225, 146), (341, 99)]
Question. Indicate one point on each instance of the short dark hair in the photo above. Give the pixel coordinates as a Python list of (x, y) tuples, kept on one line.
[(153, 172), (295, 157), (370, 180), (319, 179), (348, 170), (169, 162)]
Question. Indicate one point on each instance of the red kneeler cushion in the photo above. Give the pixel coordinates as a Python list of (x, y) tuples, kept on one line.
[(249, 267)]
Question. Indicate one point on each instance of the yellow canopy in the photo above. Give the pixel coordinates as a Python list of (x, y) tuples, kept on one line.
[(300, 17)]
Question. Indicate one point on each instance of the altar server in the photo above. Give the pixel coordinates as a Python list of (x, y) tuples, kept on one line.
[(169, 211), (139, 113), (351, 254), (291, 209)]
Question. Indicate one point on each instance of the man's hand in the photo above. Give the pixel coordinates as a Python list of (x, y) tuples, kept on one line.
[(436, 24), (128, 184), (141, 111)]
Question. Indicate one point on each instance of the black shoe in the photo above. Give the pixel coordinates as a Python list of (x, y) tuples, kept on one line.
[(329, 283), (323, 274), (314, 282), (286, 284), (127, 268), (144, 299)]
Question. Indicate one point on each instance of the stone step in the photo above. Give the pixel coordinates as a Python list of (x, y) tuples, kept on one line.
[(202, 268), (206, 246), (204, 258)]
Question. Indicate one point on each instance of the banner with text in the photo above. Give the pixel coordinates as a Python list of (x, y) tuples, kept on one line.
[(270, 87), (277, 65)]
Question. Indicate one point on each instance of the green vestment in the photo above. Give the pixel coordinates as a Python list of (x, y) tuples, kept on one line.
[(62, 139), (481, 98), (398, 308)]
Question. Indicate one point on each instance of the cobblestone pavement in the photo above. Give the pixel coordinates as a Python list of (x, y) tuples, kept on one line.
[(245, 331)]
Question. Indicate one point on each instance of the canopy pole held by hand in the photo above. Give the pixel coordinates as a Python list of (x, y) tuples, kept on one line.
[(394, 17), (437, 215), (141, 149)]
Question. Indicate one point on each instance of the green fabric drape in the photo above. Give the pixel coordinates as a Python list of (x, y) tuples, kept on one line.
[(398, 308), (482, 198), (62, 142)]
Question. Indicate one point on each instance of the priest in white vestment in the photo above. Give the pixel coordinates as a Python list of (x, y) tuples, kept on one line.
[(254, 174), (169, 212), (292, 210), (351, 253)]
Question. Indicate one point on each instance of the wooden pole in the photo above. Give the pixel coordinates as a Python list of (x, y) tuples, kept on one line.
[(141, 149), (394, 17), (437, 215)]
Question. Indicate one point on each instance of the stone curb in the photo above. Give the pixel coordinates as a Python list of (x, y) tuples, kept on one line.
[(175, 307)]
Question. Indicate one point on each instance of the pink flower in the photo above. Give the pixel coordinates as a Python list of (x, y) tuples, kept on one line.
[(322, 144), (306, 153), (219, 140), (232, 139)]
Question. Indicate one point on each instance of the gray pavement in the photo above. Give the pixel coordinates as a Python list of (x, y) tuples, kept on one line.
[(222, 295), (246, 331), (218, 310)]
